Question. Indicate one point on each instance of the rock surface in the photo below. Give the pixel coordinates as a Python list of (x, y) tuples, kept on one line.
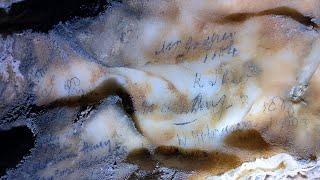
[(159, 89), (5, 4)]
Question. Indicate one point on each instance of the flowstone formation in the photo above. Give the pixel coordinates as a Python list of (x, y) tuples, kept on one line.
[(169, 90)]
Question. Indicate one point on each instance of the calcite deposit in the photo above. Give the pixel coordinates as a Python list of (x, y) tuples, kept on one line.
[(168, 89)]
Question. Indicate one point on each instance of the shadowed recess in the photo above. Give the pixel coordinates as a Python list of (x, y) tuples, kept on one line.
[(42, 15), (15, 144)]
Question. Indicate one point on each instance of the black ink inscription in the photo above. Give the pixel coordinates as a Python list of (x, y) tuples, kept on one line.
[(89, 160), (72, 86), (185, 123), (212, 41), (199, 82), (168, 46), (199, 104), (103, 144)]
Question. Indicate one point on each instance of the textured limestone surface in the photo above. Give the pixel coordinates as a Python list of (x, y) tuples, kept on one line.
[(7, 3), (168, 89)]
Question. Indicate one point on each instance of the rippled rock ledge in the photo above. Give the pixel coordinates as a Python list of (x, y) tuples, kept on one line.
[(168, 90)]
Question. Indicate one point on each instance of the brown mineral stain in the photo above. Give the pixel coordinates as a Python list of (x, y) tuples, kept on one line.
[(171, 13), (96, 74), (247, 139), (284, 11), (195, 160), (182, 104), (185, 160), (143, 159), (139, 92)]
